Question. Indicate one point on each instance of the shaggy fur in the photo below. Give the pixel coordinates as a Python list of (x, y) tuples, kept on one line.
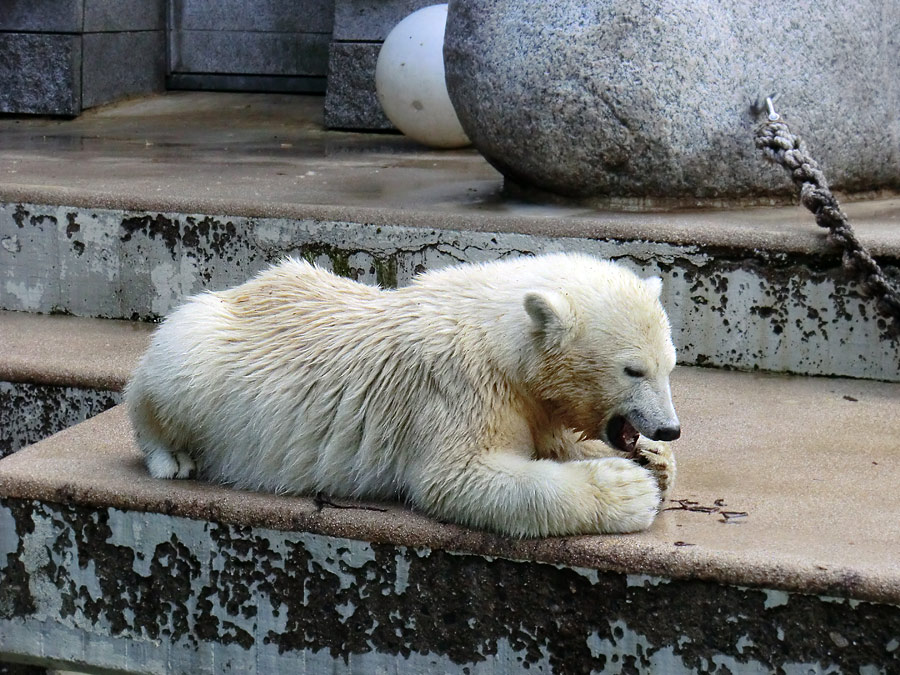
[(480, 394)]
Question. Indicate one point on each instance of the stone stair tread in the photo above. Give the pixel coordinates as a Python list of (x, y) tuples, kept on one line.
[(264, 155), (811, 461), (68, 350)]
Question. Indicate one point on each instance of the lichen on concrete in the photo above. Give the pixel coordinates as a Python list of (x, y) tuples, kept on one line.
[(261, 600)]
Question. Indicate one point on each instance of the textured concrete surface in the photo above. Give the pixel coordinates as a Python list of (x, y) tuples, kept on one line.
[(75, 16), (57, 371), (32, 412), (649, 99), (69, 351), (165, 196), (50, 16), (735, 307), (248, 52), (266, 16), (788, 483), (123, 15), (153, 593)]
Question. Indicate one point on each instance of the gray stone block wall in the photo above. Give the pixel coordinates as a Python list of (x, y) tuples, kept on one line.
[(45, 16), (249, 53), (279, 45), (120, 64), (360, 27), (101, 16), (58, 57), (262, 16), (40, 73), (371, 20), (350, 101), (62, 56)]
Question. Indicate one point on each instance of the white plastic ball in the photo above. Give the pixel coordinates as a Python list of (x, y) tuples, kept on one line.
[(409, 80)]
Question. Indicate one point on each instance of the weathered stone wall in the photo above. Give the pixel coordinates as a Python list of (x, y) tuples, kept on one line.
[(151, 593), (731, 307)]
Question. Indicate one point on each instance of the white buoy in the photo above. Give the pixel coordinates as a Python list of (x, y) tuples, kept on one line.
[(409, 80)]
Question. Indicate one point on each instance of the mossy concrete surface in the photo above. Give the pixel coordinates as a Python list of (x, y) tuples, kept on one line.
[(57, 371)]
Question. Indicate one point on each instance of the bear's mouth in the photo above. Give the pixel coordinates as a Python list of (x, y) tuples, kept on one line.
[(621, 435)]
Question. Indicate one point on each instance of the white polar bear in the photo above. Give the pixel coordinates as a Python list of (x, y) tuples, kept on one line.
[(480, 394)]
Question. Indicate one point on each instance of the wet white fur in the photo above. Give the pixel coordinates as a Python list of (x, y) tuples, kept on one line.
[(468, 394)]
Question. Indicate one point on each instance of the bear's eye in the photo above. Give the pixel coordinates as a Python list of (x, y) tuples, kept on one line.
[(634, 372)]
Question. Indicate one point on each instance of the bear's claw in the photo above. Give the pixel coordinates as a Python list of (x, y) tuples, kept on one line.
[(658, 458)]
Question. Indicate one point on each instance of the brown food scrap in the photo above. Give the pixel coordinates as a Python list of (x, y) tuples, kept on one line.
[(697, 507), (688, 505)]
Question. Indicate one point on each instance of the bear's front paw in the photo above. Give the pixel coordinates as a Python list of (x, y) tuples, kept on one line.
[(658, 457), (627, 495)]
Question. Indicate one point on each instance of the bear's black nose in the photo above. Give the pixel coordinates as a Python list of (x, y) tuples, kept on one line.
[(667, 433)]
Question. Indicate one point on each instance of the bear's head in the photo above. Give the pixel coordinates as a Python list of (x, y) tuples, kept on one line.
[(602, 355)]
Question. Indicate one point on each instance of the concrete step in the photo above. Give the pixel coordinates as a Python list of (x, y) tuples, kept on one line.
[(127, 210), (778, 553), (56, 371)]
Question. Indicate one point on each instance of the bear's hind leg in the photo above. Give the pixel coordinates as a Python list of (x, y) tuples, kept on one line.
[(162, 463), (508, 493), (161, 460)]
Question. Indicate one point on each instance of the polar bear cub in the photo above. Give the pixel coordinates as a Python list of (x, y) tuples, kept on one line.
[(489, 395)]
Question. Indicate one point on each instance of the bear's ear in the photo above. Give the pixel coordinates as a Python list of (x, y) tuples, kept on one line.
[(655, 285), (551, 314)]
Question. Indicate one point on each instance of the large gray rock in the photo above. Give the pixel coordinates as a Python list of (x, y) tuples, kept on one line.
[(652, 100)]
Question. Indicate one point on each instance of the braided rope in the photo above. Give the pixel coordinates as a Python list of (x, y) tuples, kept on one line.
[(782, 147)]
